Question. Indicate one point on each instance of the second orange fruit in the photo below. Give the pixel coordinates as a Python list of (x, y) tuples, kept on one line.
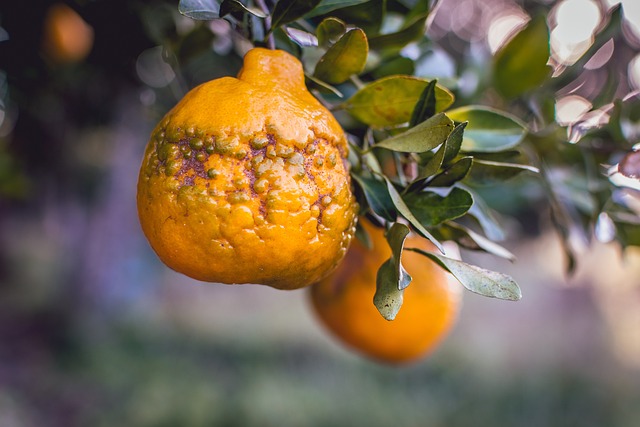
[(343, 302)]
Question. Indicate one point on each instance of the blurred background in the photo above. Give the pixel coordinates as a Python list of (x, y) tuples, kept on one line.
[(94, 330)]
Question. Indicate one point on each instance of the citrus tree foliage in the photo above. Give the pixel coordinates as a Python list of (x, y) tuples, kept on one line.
[(420, 159)]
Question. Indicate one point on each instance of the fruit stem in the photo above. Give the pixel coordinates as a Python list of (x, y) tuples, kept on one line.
[(271, 42)]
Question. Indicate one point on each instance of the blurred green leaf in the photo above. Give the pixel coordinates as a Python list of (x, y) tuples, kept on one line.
[(469, 239), (235, 6), (390, 101), (478, 280), (327, 6), (454, 173), (423, 137), (301, 38), (367, 15), (363, 236), (521, 65), (485, 217), (489, 130), (404, 210), (345, 58), (412, 30), (487, 171), (203, 10), (377, 196), (330, 30), (388, 297), (432, 209), (322, 86), (399, 65), (396, 237), (426, 105), (287, 11)]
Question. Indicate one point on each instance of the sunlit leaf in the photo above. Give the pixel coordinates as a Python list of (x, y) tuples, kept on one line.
[(489, 130), (301, 38), (327, 6), (476, 279), (200, 9), (287, 11), (377, 196), (388, 297), (521, 65), (454, 173), (330, 30), (423, 137), (345, 58), (391, 100), (426, 105)]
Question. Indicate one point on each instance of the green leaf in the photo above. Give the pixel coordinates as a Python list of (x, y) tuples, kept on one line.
[(431, 168), (478, 280), (489, 130), (421, 138), (235, 6), (404, 210), (456, 172), (377, 196), (432, 209), (426, 105), (287, 11), (412, 30), (487, 171), (399, 65), (363, 236), (202, 10), (388, 297), (301, 38), (486, 218), (367, 15), (454, 142), (521, 65), (390, 101), (469, 239), (327, 6), (345, 58), (330, 30), (396, 237), (322, 86)]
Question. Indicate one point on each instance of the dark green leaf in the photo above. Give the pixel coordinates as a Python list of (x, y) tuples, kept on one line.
[(330, 30), (367, 15), (412, 30), (301, 38), (345, 58), (489, 130), (287, 11), (203, 10), (391, 100), (426, 105), (327, 6), (399, 65), (454, 142), (423, 137), (478, 280), (377, 196), (432, 209), (431, 168), (388, 297), (396, 237), (521, 65), (487, 171), (363, 236), (235, 6), (456, 172), (404, 210)]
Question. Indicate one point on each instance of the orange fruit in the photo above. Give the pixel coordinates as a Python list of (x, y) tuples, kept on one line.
[(343, 302), (246, 180), (67, 37)]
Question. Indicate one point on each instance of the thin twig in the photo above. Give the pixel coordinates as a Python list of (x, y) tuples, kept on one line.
[(271, 41)]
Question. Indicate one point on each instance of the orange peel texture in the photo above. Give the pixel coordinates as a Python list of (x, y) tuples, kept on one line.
[(245, 180)]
